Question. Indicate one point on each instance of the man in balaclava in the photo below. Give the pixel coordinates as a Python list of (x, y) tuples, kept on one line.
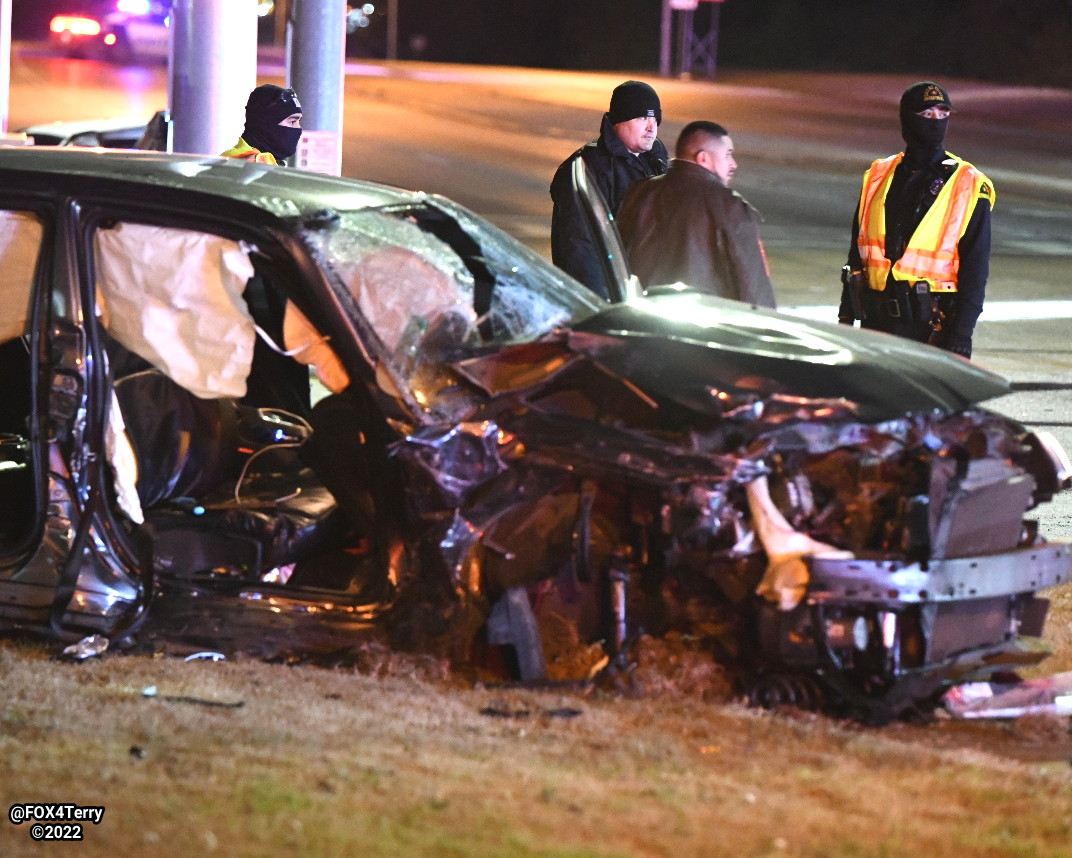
[(920, 253), (273, 126), (627, 151)]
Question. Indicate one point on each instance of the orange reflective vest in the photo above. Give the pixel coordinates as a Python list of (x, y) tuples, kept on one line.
[(243, 150), (931, 254)]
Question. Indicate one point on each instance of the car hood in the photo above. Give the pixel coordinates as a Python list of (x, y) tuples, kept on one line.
[(710, 355), (689, 346)]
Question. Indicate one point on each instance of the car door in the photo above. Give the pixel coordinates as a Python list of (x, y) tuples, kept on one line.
[(604, 234), (54, 561)]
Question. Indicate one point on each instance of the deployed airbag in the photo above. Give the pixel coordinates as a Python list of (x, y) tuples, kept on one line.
[(174, 297), (20, 239)]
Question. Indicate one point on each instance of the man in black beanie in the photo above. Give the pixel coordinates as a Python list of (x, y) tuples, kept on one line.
[(920, 253), (273, 126), (626, 152)]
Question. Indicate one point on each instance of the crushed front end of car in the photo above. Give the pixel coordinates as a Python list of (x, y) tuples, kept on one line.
[(860, 555)]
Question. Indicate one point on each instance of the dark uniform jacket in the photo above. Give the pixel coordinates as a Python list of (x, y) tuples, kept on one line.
[(688, 226), (614, 169)]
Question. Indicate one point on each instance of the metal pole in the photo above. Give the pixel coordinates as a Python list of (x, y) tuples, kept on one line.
[(282, 15), (685, 58), (392, 29), (213, 67), (5, 62), (316, 54), (665, 48), (712, 57)]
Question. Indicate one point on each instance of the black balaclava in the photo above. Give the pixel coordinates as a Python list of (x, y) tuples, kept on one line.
[(268, 105), (923, 137)]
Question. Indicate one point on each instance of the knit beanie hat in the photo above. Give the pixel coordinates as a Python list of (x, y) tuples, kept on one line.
[(634, 99)]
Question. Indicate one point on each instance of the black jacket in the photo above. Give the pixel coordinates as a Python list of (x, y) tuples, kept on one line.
[(614, 169)]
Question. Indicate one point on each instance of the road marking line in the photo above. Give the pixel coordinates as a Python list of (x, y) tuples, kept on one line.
[(993, 311)]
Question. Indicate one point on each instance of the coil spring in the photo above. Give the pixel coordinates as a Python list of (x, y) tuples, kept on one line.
[(774, 691)]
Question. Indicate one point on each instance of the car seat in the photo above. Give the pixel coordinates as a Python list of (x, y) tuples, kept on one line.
[(220, 484)]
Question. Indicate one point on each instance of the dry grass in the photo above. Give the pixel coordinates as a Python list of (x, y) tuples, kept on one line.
[(323, 762)]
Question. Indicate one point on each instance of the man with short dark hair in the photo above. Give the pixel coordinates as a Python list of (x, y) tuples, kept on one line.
[(920, 253), (627, 151), (688, 226)]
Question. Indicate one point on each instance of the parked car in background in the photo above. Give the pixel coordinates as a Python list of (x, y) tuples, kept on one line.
[(117, 133), (261, 410)]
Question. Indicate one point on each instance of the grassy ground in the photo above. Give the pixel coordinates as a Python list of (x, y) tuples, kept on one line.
[(310, 761)]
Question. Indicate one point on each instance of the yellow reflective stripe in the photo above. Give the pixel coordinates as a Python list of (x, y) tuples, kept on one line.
[(871, 241), (931, 254), (245, 152)]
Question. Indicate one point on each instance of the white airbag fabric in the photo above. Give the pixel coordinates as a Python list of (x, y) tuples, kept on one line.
[(174, 297), (20, 241)]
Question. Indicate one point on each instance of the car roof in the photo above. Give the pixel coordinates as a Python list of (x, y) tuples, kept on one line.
[(283, 192)]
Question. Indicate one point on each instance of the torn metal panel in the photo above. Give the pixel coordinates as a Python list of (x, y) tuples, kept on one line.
[(459, 458), (517, 368), (1029, 568), (1048, 695), (982, 507)]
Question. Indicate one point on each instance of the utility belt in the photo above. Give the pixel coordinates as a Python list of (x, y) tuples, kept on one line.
[(900, 302)]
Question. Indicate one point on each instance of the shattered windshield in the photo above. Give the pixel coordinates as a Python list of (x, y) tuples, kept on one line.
[(433, 276)]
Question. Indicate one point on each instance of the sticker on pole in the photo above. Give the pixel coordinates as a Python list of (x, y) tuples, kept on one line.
[(319, 152)]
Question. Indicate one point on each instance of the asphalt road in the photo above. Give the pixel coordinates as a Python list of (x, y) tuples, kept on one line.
[(492, 137)]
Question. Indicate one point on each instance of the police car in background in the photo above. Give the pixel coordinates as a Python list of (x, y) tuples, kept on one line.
[(127, 31), (115, 30)]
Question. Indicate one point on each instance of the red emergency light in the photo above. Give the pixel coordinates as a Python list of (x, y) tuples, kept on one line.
[(75, 25)]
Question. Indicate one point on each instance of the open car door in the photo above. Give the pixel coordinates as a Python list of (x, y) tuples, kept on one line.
[(623, 284)]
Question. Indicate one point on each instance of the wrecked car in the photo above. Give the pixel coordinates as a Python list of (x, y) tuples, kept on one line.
[(254, 409)]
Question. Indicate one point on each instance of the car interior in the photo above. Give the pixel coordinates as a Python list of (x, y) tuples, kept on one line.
[(217, 418)]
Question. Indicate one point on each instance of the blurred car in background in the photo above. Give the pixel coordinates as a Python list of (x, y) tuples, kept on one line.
[(114, 30), (126, 31)]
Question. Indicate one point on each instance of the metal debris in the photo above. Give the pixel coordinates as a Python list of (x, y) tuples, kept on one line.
[(86, 648), (1050, 695), (151, 691)]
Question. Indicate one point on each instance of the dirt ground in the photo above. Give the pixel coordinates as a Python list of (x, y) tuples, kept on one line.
[(393, 757)]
